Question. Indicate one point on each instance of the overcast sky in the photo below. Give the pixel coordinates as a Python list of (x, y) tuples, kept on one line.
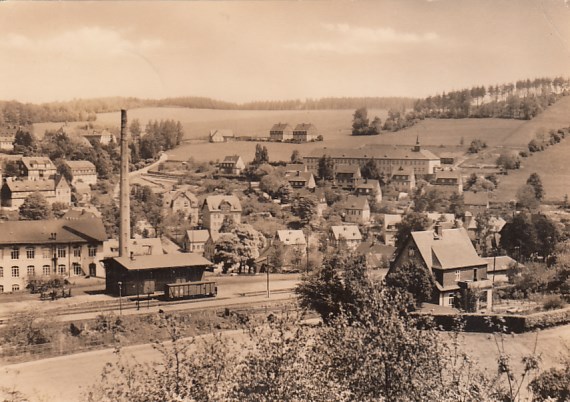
[(241, 51)]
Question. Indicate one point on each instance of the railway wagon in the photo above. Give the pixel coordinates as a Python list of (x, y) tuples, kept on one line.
[(185, 290)]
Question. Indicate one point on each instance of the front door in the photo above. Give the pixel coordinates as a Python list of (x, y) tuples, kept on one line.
[(92, 269)]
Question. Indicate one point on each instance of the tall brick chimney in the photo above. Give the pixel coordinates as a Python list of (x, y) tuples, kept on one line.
[(124, 201)]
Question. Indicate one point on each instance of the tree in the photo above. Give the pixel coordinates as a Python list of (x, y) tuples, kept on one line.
[(375, 127), (34, 208), (518, 237), (526, 197), (360, 122), (371, 170), (326, 168), (296, 157), (239, 246), (413, 279), (261, 155), (536, 183), (508, 161), (553, 384), (135, 129), (411, 222), (305, 208)]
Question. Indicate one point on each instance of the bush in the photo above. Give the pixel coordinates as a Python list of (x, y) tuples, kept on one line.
[(553, 302)]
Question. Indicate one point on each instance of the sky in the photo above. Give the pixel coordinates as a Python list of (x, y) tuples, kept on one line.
[(242, 51)]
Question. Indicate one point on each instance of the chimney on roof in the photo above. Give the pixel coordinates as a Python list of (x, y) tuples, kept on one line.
[(438, 230), (125, 211), (417, 147)]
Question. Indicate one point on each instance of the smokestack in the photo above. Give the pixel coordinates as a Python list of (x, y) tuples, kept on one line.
[(124, 202)]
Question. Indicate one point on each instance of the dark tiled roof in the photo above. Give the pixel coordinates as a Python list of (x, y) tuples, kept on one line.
[(80, 165), (16, 186), (300, 176), (446, 174), (353, 202), (367, 183), (197, 235), (231, 158), (280, 127), (213, 202), (304, 127), (375, 152), (31, 162), (165, 261), (40, 232)]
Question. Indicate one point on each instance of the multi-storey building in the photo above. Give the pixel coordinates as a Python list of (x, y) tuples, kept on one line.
[(38, 168), (82, 172), (281, 132), (14, 192), (182, 200), (388, 158), (217, 208), (232, 164), (48, 247), (305, 132)]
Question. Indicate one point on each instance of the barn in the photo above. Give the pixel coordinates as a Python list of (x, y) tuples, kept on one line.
[(148, 274)]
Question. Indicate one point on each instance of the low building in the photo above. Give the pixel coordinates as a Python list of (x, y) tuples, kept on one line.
[(37, 167), (220, 135), (30, 249), (217, 208), (281, 132), (14, 192), (476, 202), (232, 164), (498, 267), (305, 132), (368, 188), (290, 238), (195, 241), (403, 179), (146, 275), (293, 168), (348, 235), (210, 245), (82, 172), (377, 255), (346, 176), (449, 180), (103, 137), (450, 257), (302, 180), (7, 142), (356, 210)]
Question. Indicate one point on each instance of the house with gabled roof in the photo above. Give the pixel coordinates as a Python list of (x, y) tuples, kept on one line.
[(7, 142), (478, 201), (195, 241), (368, 188), (37, 167), (82, 172), (221, 135), (44, 248), (184, 201), (293, 168), (345, 176), (281, 132), (345, 234), (217, 208), (302, 180), (295, 238), (305, 132), (14, 192), (232, 164), (449, 180), (377, 255), (103, 137), (403, 179), (356, 210), (449, 255)]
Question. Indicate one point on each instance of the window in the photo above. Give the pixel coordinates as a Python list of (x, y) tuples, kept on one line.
[(457, 275), (31, 270), (46, 252), (475, 274), (15, 253), (61, 251), (77, 269), (46, 270), (1, 288), (61, 269), (450, 299), (1, 272), (30, 253), (15, 272), (92, 251), (76, 251), (15, 288)]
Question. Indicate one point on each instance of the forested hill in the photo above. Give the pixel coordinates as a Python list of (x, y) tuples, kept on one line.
[(13, 112)]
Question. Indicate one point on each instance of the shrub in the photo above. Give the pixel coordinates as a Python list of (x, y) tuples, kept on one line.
[(553, 302)]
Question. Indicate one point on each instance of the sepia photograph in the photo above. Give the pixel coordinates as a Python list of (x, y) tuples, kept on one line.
[(285, 200)]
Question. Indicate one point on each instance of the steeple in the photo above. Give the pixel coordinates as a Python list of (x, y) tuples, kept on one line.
[(417, 147)]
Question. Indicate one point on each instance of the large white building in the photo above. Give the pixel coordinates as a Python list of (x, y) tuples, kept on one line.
[(389, 158), (48, 247)]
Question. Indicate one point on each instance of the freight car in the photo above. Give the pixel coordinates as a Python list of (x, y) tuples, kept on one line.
[(186, 290)]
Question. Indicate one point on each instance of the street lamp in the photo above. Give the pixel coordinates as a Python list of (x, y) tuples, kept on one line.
[(120, 297)]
